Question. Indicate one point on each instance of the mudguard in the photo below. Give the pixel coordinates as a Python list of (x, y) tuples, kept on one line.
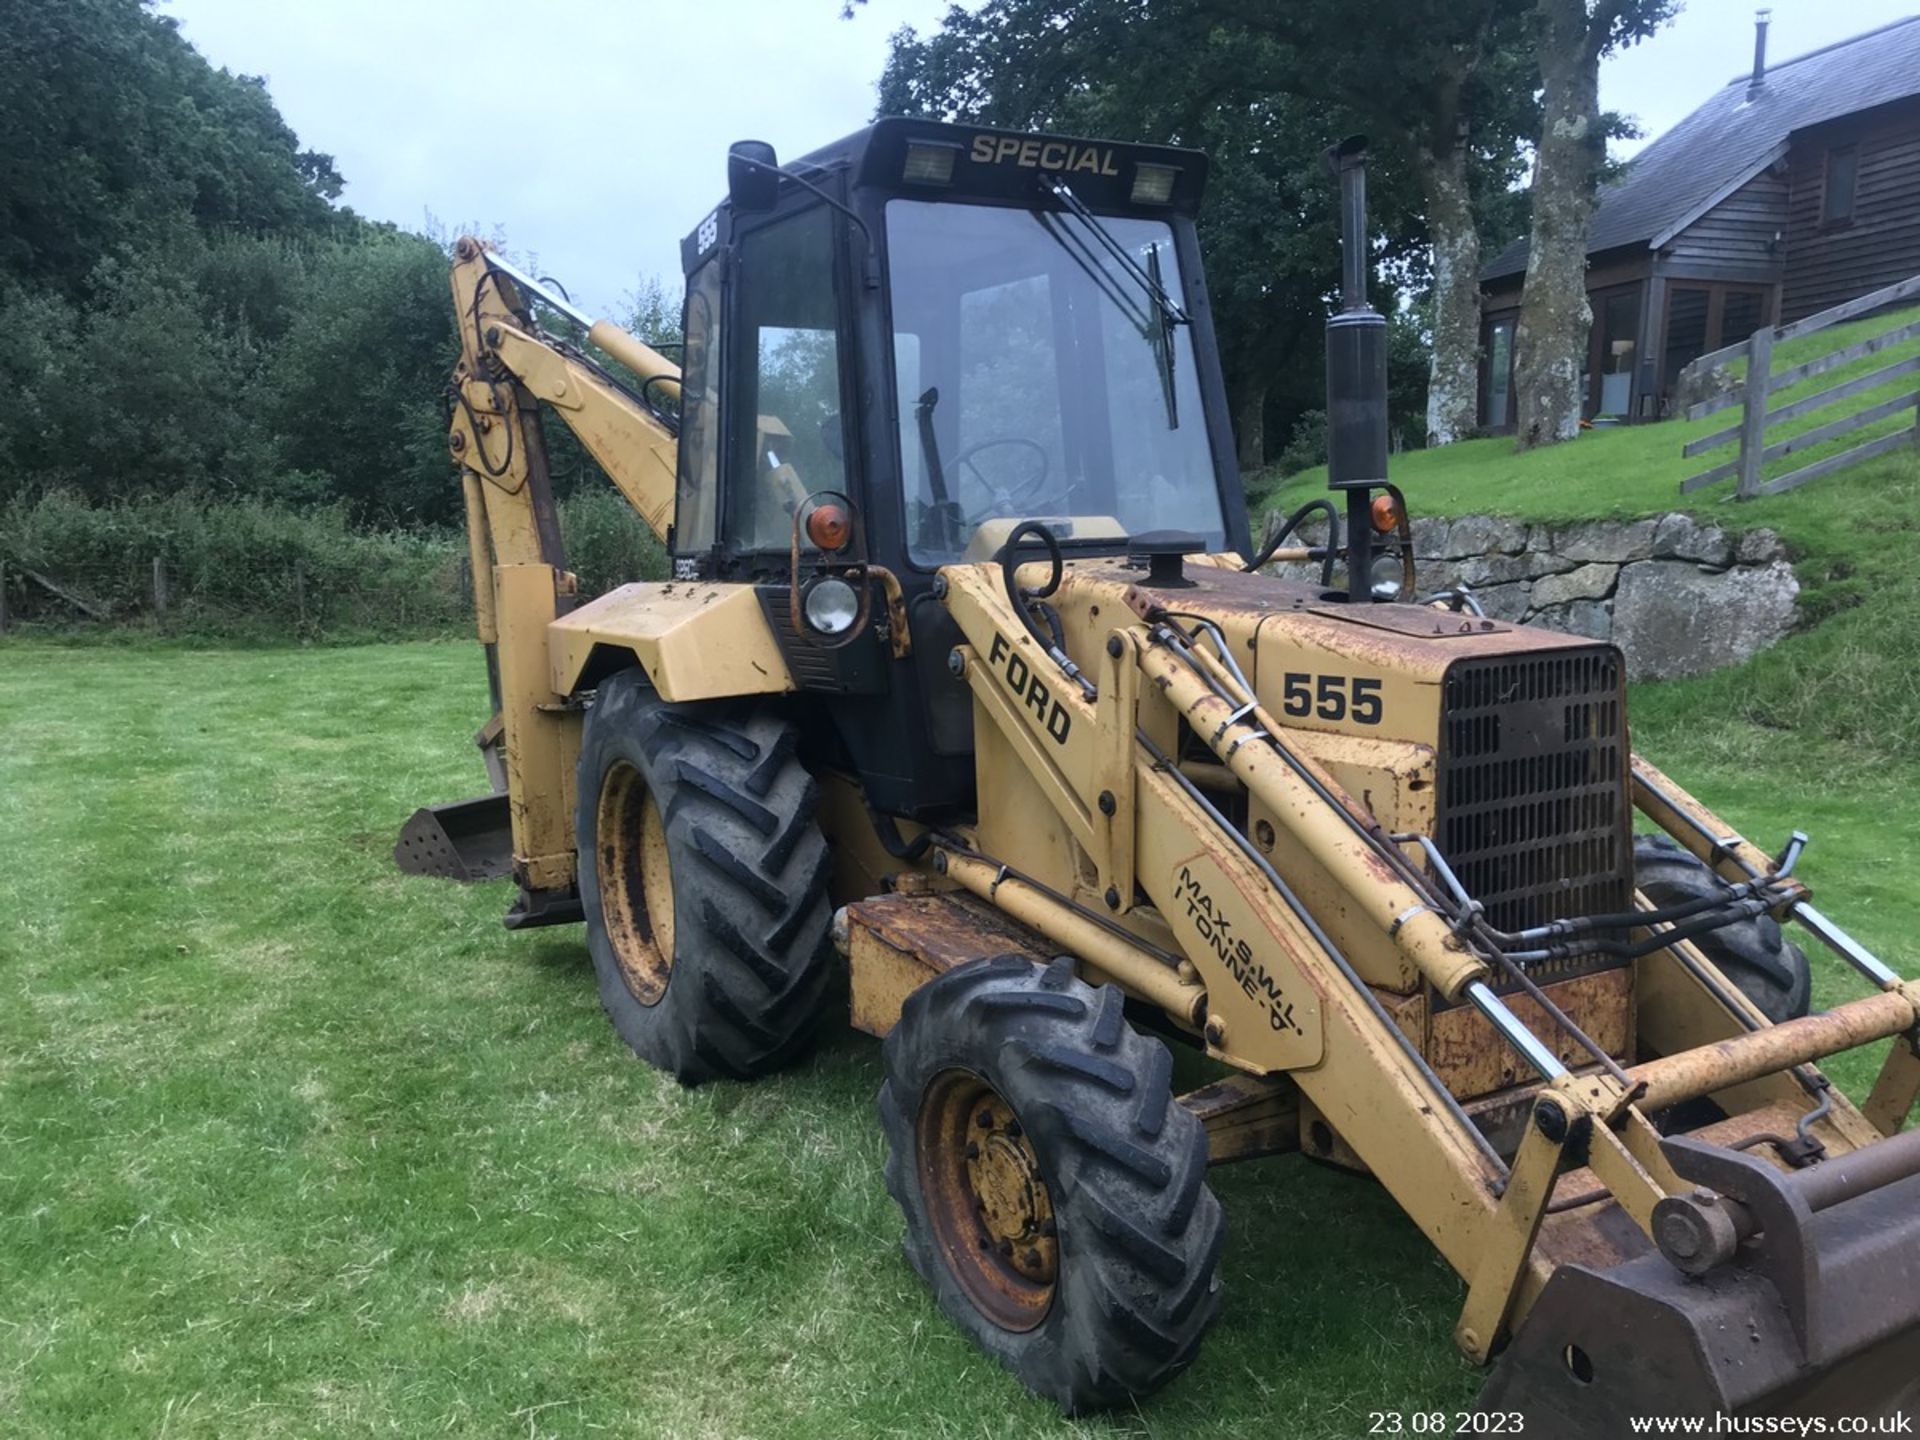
[(695, 639)]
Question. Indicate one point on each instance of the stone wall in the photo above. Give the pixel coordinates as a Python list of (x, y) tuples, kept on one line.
[(1678, 596)]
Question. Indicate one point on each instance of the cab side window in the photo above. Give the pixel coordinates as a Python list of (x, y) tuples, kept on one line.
[(787, 437), (696, 499)]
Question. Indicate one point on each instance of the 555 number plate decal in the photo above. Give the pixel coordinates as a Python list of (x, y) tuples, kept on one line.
[(1333, 698)]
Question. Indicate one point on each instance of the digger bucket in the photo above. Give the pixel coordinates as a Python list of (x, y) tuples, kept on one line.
[(467, 840), (1772, 1294)]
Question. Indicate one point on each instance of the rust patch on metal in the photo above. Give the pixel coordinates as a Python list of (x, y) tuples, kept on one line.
[(1758, 1053), (1599, 1234), (1247, 1116), (896, 943), (636, 886), (1471, 1058), (898, 635)]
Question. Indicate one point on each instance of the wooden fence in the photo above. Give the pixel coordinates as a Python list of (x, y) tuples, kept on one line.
[(1755, 391)]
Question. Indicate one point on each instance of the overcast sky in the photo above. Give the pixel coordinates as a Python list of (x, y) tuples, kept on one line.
[(595, 133)]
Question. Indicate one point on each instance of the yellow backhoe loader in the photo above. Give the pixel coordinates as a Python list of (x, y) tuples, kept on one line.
[(970, 674)]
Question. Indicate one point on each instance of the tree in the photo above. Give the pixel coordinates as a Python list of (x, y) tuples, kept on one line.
[(114, 128), (1550, 341), (189, 310), (653, 313), (355, 386), (1448, 105), (1451, 99)]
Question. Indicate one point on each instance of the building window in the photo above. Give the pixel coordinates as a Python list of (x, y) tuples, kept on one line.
[(1499, 351), (1745, 312), (1616, 343), (1843, 179), (1686, 329)]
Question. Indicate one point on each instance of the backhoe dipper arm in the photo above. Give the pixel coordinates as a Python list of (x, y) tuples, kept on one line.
[(507, 368), (506, 361)]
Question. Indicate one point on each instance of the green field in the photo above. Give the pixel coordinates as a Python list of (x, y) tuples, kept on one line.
[(290, 1143)]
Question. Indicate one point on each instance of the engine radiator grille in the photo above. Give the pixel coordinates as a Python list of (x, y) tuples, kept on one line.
[(1533, 810)]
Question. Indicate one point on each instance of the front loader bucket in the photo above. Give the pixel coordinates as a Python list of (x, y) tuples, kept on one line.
[(467, 840), (1817, 1314)]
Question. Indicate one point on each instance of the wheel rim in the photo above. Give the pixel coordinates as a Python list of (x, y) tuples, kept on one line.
[(636, 885), (991, 1210)]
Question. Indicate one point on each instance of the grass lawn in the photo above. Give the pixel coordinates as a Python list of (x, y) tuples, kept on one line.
[(290, 1143)]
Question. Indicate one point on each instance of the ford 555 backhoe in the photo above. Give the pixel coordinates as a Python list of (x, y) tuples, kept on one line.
[(970, 672)]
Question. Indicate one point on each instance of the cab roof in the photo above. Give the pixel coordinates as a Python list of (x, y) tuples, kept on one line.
[(982, 162)]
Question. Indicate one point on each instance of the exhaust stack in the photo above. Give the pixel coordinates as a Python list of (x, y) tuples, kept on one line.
[(1356, 374), (1761, 20)]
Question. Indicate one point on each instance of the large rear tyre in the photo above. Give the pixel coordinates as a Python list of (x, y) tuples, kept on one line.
[(1055, 1194), (703, 876), (1769, 969)]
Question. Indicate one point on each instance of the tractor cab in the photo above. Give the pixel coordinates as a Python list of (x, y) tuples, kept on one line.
[(904, 345), (954, 330)]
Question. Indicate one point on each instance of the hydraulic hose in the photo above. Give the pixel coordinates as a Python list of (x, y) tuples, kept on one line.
[(1023, 600), (1268, 551)]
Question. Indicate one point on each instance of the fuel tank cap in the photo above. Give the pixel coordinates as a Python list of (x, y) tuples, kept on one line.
[(1165, 552)]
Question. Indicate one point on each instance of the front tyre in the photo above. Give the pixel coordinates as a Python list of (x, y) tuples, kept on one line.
[(703, 877), (1754, 954), (1054, 1193)]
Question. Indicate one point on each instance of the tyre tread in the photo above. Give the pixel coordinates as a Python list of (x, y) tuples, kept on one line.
[(740, 813), (1142, 1233)]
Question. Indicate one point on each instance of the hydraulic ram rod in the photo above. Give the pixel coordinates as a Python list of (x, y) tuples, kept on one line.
[(641, 359), (1374, 888), (1711, 1068), (1845, 946)]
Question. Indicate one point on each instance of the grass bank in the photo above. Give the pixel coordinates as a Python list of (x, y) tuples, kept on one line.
[(1849, 678), (1637, 469)]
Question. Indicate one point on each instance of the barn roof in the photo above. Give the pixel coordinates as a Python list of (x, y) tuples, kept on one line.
[(1732, 138)]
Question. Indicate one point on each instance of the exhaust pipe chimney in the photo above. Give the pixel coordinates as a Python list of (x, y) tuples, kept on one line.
[(1356, 374), (1761, 20)]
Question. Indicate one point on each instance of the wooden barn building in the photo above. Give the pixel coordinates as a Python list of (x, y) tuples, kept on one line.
[(1794, 188)]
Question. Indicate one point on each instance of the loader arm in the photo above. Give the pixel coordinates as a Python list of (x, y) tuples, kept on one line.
[(1272, 985)]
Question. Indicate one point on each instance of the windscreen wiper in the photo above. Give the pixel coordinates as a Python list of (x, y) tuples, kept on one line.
[(1167, 312), (1155, 329), (1163, 302)]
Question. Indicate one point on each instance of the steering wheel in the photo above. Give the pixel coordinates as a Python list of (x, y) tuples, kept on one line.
[(1013, 499)]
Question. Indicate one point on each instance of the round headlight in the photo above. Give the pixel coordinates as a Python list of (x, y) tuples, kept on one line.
[(831, 606), (1386, 576)]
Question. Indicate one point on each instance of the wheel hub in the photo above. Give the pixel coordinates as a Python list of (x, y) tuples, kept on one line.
[(991, 1209), (636, 884)]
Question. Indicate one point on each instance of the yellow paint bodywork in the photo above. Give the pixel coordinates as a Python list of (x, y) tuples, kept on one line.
[(636, 451), (1302, 953), (696, 640)]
